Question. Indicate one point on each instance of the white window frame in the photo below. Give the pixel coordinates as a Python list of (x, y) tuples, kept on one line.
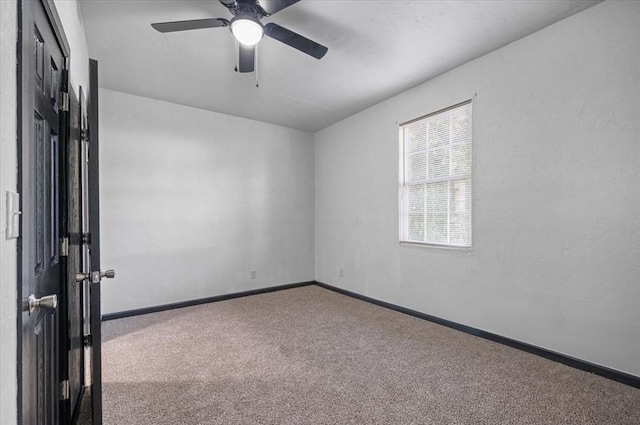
[(403, 187)]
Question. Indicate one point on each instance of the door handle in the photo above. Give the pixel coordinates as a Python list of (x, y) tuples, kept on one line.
[(95, 277), (82, 276), (49, 301), (109, 274)]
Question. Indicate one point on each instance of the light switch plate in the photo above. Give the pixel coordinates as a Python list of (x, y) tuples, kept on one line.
[(13, 215)]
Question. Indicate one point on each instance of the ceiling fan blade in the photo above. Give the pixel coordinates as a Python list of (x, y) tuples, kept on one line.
[(294, 40), (194, 24), (273, 6), (246, 58)]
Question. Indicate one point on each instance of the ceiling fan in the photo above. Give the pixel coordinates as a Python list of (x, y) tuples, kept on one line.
[(248, 30)]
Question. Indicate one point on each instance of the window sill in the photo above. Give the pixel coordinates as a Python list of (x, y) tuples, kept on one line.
[(432, 245)]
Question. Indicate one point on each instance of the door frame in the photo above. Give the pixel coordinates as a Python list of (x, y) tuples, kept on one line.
[(23, 123)]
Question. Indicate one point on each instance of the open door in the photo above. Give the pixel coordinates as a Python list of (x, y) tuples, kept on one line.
[(56, 205), (94, 226), (42, 130), (92, 274)]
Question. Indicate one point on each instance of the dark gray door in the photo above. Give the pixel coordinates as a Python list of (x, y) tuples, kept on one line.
[(88, 243), (93, 191), (40, 272)]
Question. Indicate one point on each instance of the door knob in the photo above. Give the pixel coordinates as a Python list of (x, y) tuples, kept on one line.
[(49, 301), (109, 274), (82, 276), (95, 277)]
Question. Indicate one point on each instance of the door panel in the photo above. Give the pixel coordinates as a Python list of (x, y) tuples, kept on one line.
[(40, 270), (45, 332)]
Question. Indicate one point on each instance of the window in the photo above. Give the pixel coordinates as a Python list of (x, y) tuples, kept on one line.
[(435, 178)]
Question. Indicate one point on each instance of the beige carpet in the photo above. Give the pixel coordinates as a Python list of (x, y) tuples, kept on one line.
[(312, 356)]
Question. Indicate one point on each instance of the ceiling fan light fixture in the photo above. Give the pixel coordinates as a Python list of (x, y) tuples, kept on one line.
[(247, 31)]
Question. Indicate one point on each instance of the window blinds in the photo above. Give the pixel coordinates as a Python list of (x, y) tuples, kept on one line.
[(436, 178)]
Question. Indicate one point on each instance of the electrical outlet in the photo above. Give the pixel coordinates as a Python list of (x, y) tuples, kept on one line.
[(341, 273), (254, 274)]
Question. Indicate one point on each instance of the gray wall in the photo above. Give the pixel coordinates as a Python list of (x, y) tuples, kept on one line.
[(8, 182), (192, 201), (556, 251)]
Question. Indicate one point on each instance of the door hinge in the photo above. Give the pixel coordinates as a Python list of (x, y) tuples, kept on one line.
[(64, 101), (88, 340), (64, 247), (86, 238), (84, 135), (64, 390)]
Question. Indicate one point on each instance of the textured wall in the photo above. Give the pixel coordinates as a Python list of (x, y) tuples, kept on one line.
[(8, 181), (556, 254), (192, 201)]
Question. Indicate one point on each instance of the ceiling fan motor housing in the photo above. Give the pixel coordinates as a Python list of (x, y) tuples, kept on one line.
[(248, 9)]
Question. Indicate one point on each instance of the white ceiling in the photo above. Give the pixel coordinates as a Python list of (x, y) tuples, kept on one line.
[(376, 50)]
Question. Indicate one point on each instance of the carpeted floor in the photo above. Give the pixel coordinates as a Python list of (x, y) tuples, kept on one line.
[(312, 356)]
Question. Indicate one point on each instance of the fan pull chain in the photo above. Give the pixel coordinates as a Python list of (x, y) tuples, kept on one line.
[(237, 55), (256, 65)]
